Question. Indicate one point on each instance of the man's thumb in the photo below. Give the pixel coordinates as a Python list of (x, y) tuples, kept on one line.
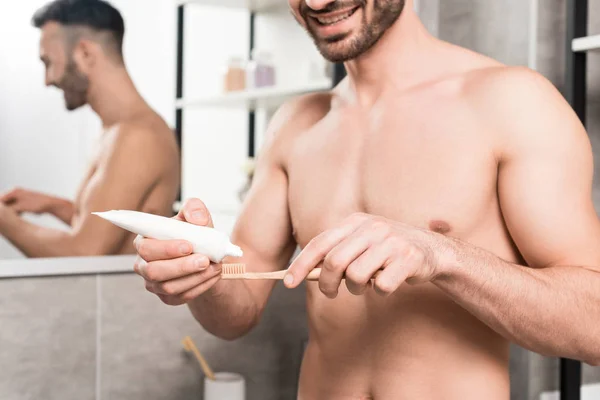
[(195, 212)]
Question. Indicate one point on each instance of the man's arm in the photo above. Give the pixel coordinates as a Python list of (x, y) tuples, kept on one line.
[(551, 306), (124, 178), (27, 201), (545, 181), (231, 308), (62, 209)]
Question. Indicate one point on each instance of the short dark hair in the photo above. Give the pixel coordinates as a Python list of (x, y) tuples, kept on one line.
[(97, 15)]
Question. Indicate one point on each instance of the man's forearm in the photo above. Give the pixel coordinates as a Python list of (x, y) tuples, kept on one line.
[(227, 310), (62, 209), (553, 311), (36, 241)]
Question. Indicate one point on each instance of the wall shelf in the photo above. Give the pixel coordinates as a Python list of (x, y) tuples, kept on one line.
[(56, 266), (251, 5), (587, 43), (269, 97)]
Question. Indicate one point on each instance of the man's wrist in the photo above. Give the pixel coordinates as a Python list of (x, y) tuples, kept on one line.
[(446, 255), (56, 205)]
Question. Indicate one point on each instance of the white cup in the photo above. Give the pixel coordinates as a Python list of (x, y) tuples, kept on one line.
[(225, 386)]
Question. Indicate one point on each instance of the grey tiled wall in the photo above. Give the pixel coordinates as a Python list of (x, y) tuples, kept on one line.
[(47, 338), (106, 338), (498, 29)]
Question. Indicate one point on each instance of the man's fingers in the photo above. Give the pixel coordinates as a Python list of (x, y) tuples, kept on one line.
[(390, 279), (178, 286), (7, 198), (195, 212), (16, 207), (153, 250), (166, 270), (360, 272), (338, 259), (317, 249), (190, 294), (198, 290)]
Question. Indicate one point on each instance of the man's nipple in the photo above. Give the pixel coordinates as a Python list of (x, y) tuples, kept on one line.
[(440, 226)]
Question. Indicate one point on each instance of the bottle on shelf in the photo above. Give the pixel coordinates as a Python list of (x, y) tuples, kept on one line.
[(264, 69), (235, 75)]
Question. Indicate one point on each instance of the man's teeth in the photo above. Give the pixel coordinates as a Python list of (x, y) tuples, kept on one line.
[(333, 20)]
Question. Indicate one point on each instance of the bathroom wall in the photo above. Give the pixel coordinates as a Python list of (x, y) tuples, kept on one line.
[(499, 29), (105, 337)]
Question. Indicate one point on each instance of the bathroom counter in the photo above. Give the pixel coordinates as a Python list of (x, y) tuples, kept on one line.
[(24, 267)]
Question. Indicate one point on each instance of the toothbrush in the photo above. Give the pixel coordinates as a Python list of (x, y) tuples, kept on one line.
[(190, 346), (208, 241), (238, 271)]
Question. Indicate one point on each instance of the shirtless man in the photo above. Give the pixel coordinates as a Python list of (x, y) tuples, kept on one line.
[(466, 181), (137, 161)]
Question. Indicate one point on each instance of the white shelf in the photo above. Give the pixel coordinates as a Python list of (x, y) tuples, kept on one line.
[(270, 97), (28, 267), (586, 43), (251, 5)]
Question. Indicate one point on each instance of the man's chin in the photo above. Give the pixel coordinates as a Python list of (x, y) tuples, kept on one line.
[(336, 55), (71, 106), (339, 49)]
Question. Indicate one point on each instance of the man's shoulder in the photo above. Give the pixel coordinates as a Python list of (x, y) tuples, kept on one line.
[(148, 122), (523, 108), (507, 88), (147, 135), (300, 113), (148, 130)]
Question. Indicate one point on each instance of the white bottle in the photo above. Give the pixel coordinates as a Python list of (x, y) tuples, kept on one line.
[(207, 241)]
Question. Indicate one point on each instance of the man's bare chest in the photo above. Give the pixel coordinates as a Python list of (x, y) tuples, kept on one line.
[(433, 176)]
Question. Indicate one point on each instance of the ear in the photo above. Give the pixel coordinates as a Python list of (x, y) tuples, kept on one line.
[(85, 55)]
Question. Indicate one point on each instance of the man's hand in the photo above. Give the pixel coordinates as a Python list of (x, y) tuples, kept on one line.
[(170, 269), (361, 246), (23, 200)]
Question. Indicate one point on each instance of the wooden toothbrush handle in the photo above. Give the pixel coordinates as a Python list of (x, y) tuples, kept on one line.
[(316, 273)]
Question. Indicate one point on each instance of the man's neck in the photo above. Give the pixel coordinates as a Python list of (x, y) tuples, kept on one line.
[(114, 96), (398, 60)]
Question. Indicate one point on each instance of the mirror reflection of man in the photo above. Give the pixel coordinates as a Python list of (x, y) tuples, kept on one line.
[(136, 165)]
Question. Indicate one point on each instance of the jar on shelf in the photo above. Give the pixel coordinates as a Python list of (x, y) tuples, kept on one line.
[(235, 75), (264, 69)]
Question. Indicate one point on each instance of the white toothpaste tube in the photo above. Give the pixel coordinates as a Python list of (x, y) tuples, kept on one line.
[(205, 240)]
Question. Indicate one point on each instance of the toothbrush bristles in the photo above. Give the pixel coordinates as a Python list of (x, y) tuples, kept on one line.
[(233, 269)]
